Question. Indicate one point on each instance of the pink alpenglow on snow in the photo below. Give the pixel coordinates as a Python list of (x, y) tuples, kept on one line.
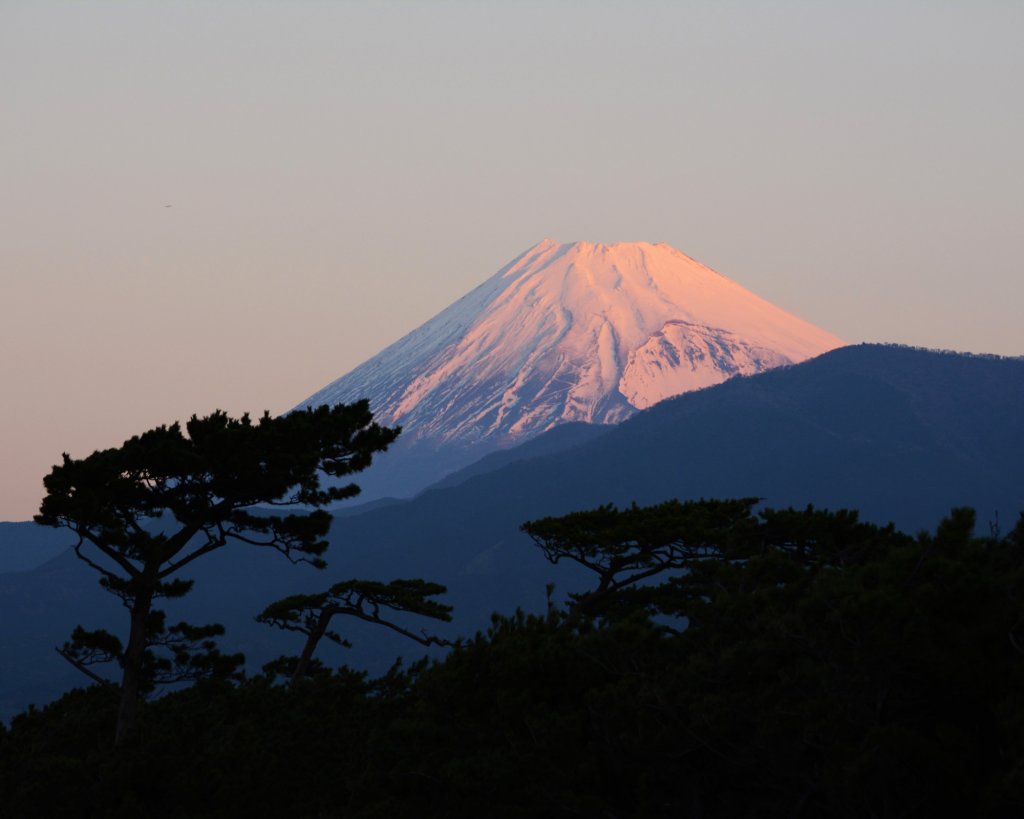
[(573, 332)]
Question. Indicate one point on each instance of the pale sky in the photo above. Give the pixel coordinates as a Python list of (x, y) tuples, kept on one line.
[(341, 171)]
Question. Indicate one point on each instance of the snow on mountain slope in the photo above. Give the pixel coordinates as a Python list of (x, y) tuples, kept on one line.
[(572, 332)]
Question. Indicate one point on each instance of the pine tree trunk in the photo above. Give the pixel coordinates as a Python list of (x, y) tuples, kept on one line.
[(312, 640), (131, 680)]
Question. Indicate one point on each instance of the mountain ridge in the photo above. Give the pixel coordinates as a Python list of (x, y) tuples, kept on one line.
[(576, 332), (900, 434)]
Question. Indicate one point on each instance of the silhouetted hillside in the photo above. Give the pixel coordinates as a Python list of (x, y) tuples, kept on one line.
[(900, 434)]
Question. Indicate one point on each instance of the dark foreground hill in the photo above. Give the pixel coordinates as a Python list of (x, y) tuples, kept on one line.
[(828, 668), (902, 435)]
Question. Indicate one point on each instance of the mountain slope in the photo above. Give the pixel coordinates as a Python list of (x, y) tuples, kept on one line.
[(900, 434), (569, 332), (25, 546)]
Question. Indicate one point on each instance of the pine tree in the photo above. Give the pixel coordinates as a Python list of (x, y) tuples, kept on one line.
[(144, 511)]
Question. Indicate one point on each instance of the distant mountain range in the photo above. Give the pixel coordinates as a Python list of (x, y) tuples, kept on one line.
[(577, 332), (901, 434), (24, 546)]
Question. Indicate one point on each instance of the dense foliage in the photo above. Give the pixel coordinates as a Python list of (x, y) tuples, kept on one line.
[(801, 663), (144, 511)]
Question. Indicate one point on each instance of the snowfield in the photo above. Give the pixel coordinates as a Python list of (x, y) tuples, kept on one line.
[(573, 332)]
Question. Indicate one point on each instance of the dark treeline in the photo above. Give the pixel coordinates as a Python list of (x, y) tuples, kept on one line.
[(724, 663)]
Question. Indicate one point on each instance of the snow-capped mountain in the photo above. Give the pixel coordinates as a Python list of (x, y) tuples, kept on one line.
[(572, 332)]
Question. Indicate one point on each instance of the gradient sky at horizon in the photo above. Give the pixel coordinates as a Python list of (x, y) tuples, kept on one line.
[(340, 172)]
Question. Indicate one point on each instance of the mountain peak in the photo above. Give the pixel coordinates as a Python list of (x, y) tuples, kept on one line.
[(584, 247), (574, 331)]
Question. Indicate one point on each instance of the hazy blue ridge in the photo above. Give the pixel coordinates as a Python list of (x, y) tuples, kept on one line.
[(900, 434)]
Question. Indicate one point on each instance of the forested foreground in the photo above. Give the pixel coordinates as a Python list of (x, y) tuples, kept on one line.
[(801, 664)]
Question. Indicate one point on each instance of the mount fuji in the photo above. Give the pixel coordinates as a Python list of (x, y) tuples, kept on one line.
[(575, 332)]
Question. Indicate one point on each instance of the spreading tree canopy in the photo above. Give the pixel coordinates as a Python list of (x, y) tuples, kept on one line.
[(147, 509), (368, 600)]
